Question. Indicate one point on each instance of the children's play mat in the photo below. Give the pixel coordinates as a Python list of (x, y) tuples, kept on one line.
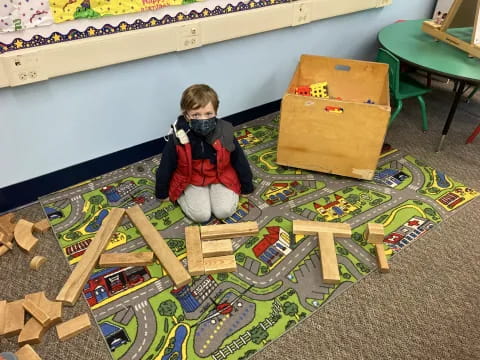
[(278, 282)]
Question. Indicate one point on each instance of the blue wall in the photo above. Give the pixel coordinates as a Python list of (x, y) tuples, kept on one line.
[(71, 119)]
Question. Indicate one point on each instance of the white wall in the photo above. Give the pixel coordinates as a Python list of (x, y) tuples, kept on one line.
[(64, 121)]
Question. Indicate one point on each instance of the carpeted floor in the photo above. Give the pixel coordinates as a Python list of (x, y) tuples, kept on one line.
[(427, 307)]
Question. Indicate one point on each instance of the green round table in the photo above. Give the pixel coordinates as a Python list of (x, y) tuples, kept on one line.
[(409, 43)]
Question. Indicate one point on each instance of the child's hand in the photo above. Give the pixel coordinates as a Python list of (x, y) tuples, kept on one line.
[(166, 199)]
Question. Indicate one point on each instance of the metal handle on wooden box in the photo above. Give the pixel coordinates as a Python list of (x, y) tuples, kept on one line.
[(340, 67)]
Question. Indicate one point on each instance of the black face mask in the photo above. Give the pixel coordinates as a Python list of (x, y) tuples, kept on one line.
[(203, 127)]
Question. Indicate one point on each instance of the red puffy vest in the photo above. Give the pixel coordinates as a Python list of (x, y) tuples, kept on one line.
[(202, 172)]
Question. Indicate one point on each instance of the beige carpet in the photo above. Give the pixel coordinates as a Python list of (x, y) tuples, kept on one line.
[(427, 307)]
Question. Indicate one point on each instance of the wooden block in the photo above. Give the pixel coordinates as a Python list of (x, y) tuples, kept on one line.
[(3, 309), (306, 227), (36, 262), (165, 255), (23, 235), (126, 259), (6, 240), (382, 258), (375, 233), (26, 352), (73, 286), (7, 225), (3, 249), (42, 225), (193, 244), (73, 327), (220, 264), (34, 310), (14, 318), (33, 331), (52, 308), (328, 257), (217, 248), (226, 231)]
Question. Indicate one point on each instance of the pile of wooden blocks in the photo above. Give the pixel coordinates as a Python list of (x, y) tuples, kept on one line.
[(44, 314), (210, 248), (21, 232)]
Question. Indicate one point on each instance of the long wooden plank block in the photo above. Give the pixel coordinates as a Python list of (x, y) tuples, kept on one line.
[(193, 244), (34, 310), (220, 264), (26, 352), (328, 256), (217, 248), (73, 286), (143, 258), (382, 258), (14, 318), (306, 227), (3, 310), (165, 255), (226, 231), (75, 326)]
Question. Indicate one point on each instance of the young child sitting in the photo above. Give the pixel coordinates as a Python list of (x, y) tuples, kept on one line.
[(203, 167)]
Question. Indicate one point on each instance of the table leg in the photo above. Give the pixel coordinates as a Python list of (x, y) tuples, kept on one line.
[(453, 108)]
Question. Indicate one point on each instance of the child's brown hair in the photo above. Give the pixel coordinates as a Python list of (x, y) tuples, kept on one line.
[(197, 96)]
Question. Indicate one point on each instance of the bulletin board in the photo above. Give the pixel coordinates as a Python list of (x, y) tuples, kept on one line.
[(67, 20), (32, 53)]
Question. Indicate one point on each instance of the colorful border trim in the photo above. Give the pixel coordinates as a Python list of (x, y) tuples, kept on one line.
[(56, 37)]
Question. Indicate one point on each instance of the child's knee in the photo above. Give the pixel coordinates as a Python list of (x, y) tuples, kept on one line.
[(199, 216), (223, 211)]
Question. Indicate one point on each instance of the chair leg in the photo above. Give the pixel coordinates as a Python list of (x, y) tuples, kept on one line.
[(397, 110), (473, 135), (424, 113), (469, 97)]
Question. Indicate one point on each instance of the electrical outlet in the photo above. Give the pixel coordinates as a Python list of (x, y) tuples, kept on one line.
[(23, 69), (188, 42), (301, 14), (193, 30), (189, 37)]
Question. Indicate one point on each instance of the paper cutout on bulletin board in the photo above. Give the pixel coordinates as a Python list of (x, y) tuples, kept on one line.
[(64, 10), (17, 15)]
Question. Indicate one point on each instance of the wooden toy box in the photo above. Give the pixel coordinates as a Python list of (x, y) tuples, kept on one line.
[(342, 134)]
